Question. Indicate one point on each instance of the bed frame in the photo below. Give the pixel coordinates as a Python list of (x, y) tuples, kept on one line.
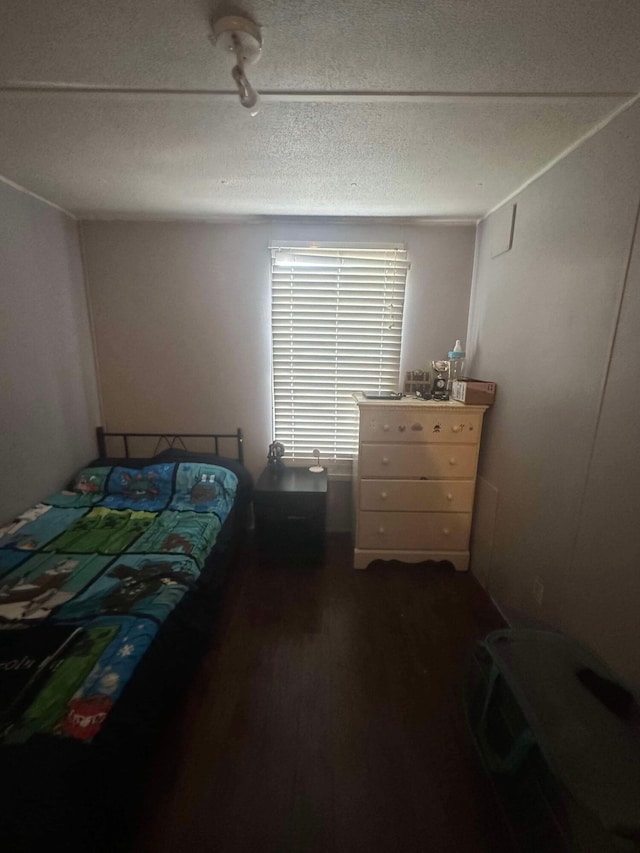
[(171, 440)]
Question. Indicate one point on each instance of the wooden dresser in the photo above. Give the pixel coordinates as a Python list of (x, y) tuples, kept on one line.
[(414, 480)]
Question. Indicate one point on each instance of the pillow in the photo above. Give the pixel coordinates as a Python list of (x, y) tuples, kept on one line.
[(175, 454), (147, 488)]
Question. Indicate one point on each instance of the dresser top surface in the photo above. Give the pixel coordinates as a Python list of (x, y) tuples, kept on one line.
[(415, 402)]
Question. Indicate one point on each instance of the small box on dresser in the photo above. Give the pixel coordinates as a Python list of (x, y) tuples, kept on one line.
[(473, 391), (414, 480)]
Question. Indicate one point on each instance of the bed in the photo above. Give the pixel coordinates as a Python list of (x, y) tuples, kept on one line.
[(108, 594)]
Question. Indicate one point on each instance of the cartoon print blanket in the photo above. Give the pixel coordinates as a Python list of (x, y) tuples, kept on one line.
[(86, 579)]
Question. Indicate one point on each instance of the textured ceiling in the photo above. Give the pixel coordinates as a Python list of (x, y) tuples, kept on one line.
[(418, 108)]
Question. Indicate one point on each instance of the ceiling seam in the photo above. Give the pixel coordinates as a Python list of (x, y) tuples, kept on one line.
[(319, 96)]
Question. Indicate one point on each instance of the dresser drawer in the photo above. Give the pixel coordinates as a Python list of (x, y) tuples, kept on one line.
[(432, 531), (417, 495), (406, 426), (432, 461)]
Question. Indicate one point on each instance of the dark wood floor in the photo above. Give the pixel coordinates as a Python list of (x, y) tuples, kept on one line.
[(326, 717)]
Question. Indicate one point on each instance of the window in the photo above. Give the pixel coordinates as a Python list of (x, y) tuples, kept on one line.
[(336, 328)]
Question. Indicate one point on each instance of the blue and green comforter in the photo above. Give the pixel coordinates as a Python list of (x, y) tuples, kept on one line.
[(86, 579)]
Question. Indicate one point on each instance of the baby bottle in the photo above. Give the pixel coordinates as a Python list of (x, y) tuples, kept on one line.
[(456, 363)]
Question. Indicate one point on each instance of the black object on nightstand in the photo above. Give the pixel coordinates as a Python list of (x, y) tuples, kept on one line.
[(290, 506)]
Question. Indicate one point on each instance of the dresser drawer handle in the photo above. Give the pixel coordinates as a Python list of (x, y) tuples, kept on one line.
[(385, 460), (386, 427), (446, 531), (384, 496), (449, 496), (381, 530), (452, 461), (456, 428), (417, 427), (402, 427)]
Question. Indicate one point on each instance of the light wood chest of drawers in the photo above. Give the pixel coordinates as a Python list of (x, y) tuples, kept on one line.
[(414, 480)]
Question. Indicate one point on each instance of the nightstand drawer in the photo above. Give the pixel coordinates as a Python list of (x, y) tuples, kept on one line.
[(417, 495), (407, 426), (289, 505), (433, 531), (283, 532), (414, 461)]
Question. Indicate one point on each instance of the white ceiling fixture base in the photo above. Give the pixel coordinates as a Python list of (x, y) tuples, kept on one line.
[(242, 37)]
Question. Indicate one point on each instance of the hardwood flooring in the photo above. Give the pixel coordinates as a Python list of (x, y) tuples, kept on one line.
[(327, 716)]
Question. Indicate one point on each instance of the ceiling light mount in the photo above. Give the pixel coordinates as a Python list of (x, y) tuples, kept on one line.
[(240, 36)]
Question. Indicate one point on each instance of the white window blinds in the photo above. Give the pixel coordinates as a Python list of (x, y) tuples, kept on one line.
[(336, 328)]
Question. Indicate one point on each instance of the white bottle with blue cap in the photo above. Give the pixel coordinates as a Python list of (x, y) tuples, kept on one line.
[(456, 363)]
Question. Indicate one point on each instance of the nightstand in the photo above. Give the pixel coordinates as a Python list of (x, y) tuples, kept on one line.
[(290, 506)]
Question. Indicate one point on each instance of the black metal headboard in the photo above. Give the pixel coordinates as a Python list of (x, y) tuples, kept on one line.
[(171, 439)]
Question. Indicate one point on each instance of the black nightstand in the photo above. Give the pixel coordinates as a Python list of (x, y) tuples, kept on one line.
[(290, 507)]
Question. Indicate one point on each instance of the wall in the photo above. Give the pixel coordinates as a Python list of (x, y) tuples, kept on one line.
[(555, 323), (48, 399), (182, 318)]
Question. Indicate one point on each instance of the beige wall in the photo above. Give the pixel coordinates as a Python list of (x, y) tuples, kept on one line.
[(182, 318), (555, 322), (48, 400)]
